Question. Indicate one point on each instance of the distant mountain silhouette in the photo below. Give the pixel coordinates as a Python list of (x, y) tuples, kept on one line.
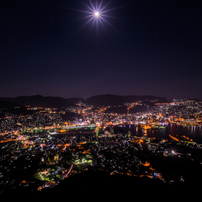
[(108, 99), (41, 101), (7, 104), (195, 99), (98, 100)]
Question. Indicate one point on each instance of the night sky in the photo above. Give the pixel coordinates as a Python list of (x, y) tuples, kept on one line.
[(151, 47)]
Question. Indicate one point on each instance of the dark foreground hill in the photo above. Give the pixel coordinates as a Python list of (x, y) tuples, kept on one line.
[(97, 185)]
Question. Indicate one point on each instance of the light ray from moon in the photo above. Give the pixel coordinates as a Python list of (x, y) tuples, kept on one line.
[(92, 9)]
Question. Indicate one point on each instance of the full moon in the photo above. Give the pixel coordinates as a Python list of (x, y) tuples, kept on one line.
[(97, 14)]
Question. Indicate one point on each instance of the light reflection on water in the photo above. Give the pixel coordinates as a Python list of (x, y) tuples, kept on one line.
[(192, 132)]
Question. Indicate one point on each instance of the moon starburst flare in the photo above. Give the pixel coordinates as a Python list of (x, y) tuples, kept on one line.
[(97, 14)]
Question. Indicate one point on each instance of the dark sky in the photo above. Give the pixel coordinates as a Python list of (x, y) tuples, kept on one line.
[(155, 48)]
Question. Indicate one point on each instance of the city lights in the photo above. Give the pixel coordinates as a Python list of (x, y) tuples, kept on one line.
[(173, 152), (96, 141)]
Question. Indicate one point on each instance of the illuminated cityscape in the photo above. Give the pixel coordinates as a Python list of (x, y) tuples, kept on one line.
[(100, 99), (40, 149)]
